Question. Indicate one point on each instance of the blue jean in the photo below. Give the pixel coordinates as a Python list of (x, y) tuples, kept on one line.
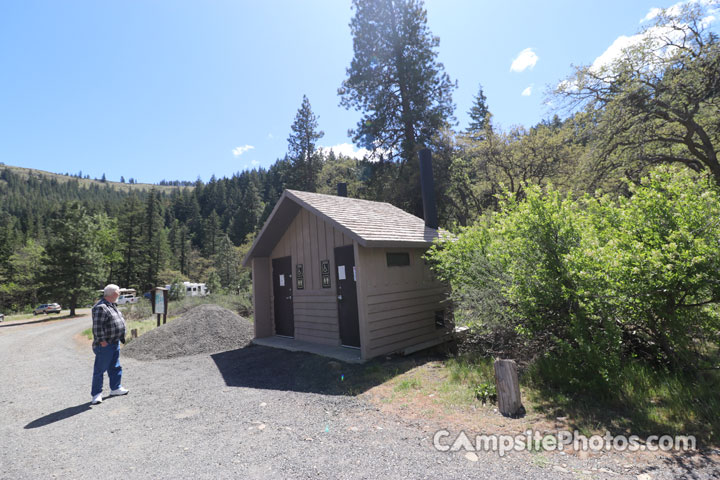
[(107, 359)]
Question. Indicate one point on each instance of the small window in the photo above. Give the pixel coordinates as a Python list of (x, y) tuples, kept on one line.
[(398, 259)]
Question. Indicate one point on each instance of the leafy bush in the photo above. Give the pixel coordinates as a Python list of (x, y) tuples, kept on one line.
[(486, 392), (177, 290), (596, 280)]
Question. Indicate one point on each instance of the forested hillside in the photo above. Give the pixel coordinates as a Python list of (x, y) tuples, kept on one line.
[(659, 103)]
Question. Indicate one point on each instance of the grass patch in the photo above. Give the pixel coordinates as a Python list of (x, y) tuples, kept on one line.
[(408, 384), (647, 401), (20, 316), (448, 385)]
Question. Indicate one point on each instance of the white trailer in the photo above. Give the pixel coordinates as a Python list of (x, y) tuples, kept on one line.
[(193, 289)]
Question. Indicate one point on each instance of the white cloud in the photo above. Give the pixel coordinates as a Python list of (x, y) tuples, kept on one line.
[(677, 9), (655, 36), (347, 150), (237, 151), (525, 59), (527, 92), (270, 136), (654, 12), (615, 50)]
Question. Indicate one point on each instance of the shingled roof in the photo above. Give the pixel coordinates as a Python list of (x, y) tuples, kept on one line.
[(371, 224)]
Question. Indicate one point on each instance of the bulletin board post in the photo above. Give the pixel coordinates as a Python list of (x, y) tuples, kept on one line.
[(159, 300)]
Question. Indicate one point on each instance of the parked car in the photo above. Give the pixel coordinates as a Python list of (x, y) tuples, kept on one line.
[(127, 298), (47, 308), (2, 317)]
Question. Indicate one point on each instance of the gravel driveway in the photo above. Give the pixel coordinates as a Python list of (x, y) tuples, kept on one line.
[(240, 414)]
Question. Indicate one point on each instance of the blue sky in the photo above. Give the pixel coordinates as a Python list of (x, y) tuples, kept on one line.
[(177, 89)]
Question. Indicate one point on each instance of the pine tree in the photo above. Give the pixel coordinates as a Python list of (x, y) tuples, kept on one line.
[(130, 234), (248, 215), (74, 262), (479, 115), (211, 232), (154, 237), (227, 263), (395, 80), (27, 267), (302, 150)]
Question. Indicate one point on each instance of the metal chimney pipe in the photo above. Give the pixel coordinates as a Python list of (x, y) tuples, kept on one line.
[(342, 189), (428, 189)]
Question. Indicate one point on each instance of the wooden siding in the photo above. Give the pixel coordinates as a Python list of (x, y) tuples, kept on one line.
[(309, 240), (400, 302)]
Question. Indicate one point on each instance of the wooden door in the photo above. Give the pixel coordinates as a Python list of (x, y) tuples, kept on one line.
[(347, 296), (282, 293)]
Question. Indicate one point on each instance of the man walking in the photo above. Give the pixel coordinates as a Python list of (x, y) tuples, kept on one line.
[(108, 331)]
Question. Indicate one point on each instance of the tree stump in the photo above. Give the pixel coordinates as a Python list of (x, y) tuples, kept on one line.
[(508, 388), (133, 333)]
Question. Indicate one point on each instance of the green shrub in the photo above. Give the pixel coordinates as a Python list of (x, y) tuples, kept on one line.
[(177, 290), (486, 392), (595, 281)]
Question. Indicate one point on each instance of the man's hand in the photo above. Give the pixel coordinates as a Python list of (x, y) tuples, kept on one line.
[(103, 344)]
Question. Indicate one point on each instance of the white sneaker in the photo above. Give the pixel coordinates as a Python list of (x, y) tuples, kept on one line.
[(97, 399), (119, 391)]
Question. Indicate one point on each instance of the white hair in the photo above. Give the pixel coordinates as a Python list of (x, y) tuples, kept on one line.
[(110, 289)]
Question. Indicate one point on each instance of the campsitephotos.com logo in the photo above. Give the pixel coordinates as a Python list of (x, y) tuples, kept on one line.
[(444, 441)]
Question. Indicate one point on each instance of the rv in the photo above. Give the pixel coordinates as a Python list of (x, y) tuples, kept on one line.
[(193, 289)]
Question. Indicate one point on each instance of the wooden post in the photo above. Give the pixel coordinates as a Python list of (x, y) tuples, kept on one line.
[(508, 387), (133, 333), (158, 319), (164, 318)]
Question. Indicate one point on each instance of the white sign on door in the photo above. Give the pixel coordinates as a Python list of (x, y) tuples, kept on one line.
[(341, 272), (282, 280)]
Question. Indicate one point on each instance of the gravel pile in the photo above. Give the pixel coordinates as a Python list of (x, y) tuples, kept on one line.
[(203, 329)]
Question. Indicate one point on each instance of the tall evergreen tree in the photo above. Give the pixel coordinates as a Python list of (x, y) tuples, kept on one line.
[(248, 215), (302, 150), (75, 265), (27, 267), (395, 80), (130, 230), (479, 115), (154, 237), (211, 232), (227, 263)]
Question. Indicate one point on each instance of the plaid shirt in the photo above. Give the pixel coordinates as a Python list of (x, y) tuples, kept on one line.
[(108, 323)]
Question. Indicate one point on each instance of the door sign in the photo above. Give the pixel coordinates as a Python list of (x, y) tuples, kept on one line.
[(325, 272), (299, 277)]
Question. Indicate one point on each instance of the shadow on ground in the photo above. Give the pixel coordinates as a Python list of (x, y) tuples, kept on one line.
[(268, 368), (59, 415), (690, 464)]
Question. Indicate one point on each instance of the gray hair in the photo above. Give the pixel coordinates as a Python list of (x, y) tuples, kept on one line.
[(110, 289)]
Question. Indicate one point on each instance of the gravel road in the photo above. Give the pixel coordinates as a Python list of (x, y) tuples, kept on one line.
[(240, 414)]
